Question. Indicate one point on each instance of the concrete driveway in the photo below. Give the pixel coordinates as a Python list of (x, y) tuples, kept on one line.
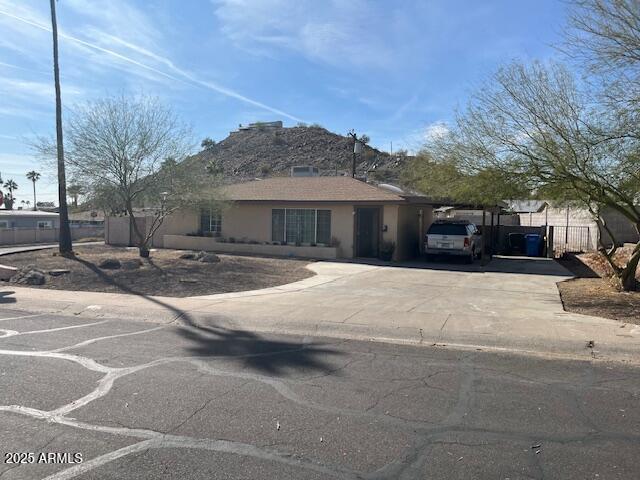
[(513, 304)]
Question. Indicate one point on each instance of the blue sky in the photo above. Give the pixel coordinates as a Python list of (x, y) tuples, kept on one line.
[(396, 71)]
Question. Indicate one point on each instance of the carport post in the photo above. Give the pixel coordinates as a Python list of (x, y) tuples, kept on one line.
[(484, 261), (491, 237)]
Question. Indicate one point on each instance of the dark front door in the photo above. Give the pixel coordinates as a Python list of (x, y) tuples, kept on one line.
[(367, 231)]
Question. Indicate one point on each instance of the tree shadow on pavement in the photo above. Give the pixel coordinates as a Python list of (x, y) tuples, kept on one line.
[(275, 357)]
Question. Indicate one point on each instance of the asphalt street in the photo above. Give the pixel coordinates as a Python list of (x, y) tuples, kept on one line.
[(139, 400)]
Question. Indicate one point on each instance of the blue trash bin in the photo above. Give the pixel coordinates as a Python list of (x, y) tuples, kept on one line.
[(532, 243)]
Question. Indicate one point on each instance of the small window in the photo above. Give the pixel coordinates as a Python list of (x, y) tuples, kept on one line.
[(44, 224), (210, 222), (4, 224)]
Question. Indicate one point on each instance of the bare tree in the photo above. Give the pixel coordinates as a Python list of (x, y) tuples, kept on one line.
[(603, 38), (64, 240), (605, 34), (534, 127), (130, 149)]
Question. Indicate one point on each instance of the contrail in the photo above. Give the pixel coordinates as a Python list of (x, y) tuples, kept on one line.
[(187, 78)]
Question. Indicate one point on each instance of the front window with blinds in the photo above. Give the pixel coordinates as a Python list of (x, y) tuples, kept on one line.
[(301, 225), (210, 222)]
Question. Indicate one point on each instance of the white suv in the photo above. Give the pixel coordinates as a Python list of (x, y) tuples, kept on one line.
[(448, 237)]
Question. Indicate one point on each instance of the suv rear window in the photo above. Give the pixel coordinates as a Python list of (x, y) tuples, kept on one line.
[(448, 229)]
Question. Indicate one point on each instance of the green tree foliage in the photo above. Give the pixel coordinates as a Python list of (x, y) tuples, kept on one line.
[(34, 177), (74, 191), (533, 128), (9, 199), (208, 144)]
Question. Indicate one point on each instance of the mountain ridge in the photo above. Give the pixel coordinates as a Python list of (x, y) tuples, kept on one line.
[(263, 151)]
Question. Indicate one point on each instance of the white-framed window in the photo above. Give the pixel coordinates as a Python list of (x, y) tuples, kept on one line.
[(301, 225), (43, 224), (210, 222), (4, 224)]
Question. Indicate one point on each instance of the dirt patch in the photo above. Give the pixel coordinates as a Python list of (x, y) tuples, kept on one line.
[(593, 293), (598, 263), (164, 274)]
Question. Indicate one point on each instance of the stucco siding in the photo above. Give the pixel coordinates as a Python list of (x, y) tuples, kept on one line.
[(184, 221), (253, 222)]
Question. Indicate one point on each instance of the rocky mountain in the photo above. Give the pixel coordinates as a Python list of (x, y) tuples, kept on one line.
[(263, 150)]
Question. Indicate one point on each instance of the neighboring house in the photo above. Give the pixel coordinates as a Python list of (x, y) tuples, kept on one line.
[(87, 217), (317, 217), (28, 226), (28, 219)]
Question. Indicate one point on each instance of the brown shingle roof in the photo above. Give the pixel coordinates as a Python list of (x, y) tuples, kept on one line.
[(309, 189)]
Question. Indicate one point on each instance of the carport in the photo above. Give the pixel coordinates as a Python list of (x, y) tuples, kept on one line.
[(496, 235)]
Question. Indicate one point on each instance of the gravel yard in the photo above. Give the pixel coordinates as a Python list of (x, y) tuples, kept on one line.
[(593, 293), (164, 274)]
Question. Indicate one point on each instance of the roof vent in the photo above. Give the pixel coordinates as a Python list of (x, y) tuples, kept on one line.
[(305, 171)]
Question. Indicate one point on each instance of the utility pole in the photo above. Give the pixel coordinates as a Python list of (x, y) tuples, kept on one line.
[(357, 148), (64, 240)]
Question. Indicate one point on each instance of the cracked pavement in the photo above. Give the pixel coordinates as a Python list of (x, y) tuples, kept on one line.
[(204, 401)]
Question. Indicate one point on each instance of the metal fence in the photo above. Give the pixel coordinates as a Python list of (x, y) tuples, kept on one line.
[(574, 239)]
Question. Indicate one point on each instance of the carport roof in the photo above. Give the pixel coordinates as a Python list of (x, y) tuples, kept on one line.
[(310, 189)]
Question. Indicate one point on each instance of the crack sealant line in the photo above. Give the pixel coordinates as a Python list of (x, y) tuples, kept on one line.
[(108, 337), (101, 460), (88, 363), (159, 440), (285, 391), (26, 316), (62, 328)]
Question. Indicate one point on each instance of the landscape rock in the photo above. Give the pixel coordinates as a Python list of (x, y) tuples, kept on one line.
[(110, 264), (29, 277), (56, 272), (188, 256), (6, 272), (132, 264), (209, 258)]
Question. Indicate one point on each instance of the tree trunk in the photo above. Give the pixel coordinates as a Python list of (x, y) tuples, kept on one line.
[(64, 239), (34, 196), (628, 274), (143, 248)]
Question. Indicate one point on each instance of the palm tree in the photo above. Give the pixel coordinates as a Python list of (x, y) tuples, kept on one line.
[(64, 243), (74, 192), (34, 177), (11, 186)]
